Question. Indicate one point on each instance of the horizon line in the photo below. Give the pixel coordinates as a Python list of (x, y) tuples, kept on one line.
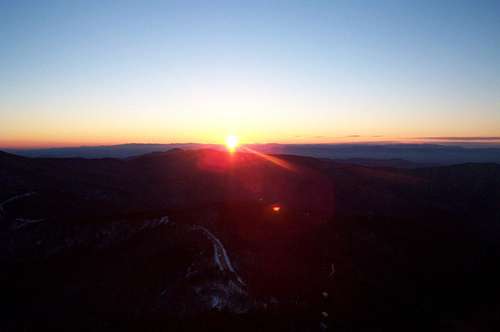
[(453, 140)]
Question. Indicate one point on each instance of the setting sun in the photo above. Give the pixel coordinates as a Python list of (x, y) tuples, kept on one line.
[(232, 142)]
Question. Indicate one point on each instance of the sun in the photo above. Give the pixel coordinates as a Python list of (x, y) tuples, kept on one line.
[(232, 142)]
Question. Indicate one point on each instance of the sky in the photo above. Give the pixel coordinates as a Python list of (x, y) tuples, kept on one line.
[(110, 72)]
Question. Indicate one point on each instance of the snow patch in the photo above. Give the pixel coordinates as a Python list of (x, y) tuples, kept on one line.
[(221, 258)]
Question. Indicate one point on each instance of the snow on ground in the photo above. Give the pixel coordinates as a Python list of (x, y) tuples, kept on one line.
[(14, 198), (22, 222), (221, 258)]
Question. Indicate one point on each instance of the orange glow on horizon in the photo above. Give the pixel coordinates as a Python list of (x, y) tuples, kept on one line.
[(58, 141), (276, 208)]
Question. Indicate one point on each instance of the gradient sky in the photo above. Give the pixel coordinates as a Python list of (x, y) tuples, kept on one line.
[(106, 72)]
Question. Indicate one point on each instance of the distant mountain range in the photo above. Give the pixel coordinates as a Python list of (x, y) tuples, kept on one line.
[(391, 155)]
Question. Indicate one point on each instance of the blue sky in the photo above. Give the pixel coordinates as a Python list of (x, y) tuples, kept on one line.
[(282, 71)]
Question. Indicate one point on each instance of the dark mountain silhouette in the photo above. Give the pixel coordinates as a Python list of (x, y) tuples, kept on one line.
[(192, 240), (103, 151), (391, 163), (389, 155)]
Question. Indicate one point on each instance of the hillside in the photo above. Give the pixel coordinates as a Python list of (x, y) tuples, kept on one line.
[(158, 239)]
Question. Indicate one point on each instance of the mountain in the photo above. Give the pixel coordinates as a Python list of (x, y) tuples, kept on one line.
[(424, 153), (391, 163), (102, 151), (201, 239), (392, 155)]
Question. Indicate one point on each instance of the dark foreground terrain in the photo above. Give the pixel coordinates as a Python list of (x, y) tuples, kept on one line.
[(204, 240)]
